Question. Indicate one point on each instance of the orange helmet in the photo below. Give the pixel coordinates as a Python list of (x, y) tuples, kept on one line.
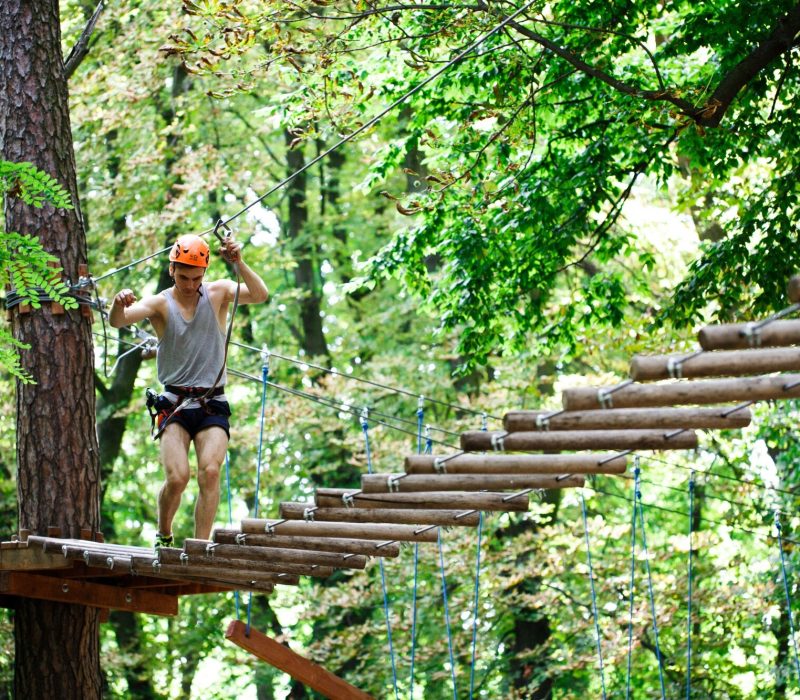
[(190, 250)]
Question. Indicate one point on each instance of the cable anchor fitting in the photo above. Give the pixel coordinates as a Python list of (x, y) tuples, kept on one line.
[(498, 442)]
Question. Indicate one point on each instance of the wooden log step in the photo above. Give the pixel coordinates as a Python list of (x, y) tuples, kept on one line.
[(415, 483), (480, 440), (501, 463), (369, 548), (330, 527), (274, 555), (627, 419), (54, 545), (793, 289), (685, 392), (274, 571), (737, 336), (144, 566), (724, 363), (451, 500), (398, 518), (281, 657)]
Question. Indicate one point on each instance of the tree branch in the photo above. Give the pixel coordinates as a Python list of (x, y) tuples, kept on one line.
[(711, 113), (620, 86), (81, 48), (779, 42)]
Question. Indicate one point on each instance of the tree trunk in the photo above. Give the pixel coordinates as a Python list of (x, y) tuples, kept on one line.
[(306, 274), (57, 645)]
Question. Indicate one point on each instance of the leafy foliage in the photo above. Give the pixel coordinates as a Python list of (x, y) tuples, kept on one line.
[(24, 264), (530, 146), (499, 199)]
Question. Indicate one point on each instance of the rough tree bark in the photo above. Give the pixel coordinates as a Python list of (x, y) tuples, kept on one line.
[(57, 646), (306, 275)]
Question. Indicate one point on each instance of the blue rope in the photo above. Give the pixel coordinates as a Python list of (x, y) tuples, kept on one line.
[(447, 615), (475, 610), (420, 417), (633, 576), (230, 516), (414, 619), (786, 591), (649, 583), (594, 596), (689, 597), (264, 378), (365, 428)]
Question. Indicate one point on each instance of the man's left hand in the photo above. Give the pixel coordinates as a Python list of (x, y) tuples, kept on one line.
[(231, 250)]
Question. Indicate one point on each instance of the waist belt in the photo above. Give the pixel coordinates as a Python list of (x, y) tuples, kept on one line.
[(193, 391)]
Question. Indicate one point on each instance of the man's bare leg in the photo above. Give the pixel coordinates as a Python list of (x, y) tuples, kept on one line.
[(175, 460), (210, 445)]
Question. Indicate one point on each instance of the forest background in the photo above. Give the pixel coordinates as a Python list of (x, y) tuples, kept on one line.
[(584, 184)]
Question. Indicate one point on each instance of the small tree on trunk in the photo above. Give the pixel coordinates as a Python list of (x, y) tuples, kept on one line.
[(57, 645)]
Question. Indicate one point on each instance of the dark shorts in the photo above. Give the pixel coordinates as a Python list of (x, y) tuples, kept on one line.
[(193, 420)]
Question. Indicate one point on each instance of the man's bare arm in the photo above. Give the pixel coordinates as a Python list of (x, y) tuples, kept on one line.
[(126, 310)]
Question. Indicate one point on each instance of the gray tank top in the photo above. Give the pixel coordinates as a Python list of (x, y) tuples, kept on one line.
[(190, 353)]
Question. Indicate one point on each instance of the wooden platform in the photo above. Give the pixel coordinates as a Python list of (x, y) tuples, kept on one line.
[(115, 577)]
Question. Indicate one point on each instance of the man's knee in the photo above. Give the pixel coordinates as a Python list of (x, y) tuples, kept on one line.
[(177, 479), (208, 475)]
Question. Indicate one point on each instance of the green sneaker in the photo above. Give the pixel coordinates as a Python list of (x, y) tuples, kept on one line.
[(163, 541)]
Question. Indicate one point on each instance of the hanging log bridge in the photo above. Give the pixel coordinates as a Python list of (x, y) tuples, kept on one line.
[(710, 388)]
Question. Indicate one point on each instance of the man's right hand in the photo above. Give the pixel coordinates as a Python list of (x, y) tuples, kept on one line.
[(125, 298)]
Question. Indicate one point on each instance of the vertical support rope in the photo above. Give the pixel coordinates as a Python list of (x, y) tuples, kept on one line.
[(475, 608), (689, 595), (447, 616), (420, 420), (386, 611), (649, 581), (786, 592), (476, 599), (633, 581), (420, 416), (594, 596), (414, 619), (264, 378), (230, 516)]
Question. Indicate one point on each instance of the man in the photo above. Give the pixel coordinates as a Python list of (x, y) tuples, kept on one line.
[(190, 321)]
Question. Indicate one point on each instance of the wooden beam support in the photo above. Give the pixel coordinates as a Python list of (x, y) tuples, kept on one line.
[(738, 336), (77, 592), (724, 363), (31, 559), (406, 483), (451, 500), (324, 528), (299, 668), (396, 518), (711, 391), (274, 556), (481, 440), (368, 548), (627, 419)]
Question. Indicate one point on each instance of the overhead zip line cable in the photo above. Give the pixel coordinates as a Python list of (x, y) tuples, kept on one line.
[(367, 125)]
